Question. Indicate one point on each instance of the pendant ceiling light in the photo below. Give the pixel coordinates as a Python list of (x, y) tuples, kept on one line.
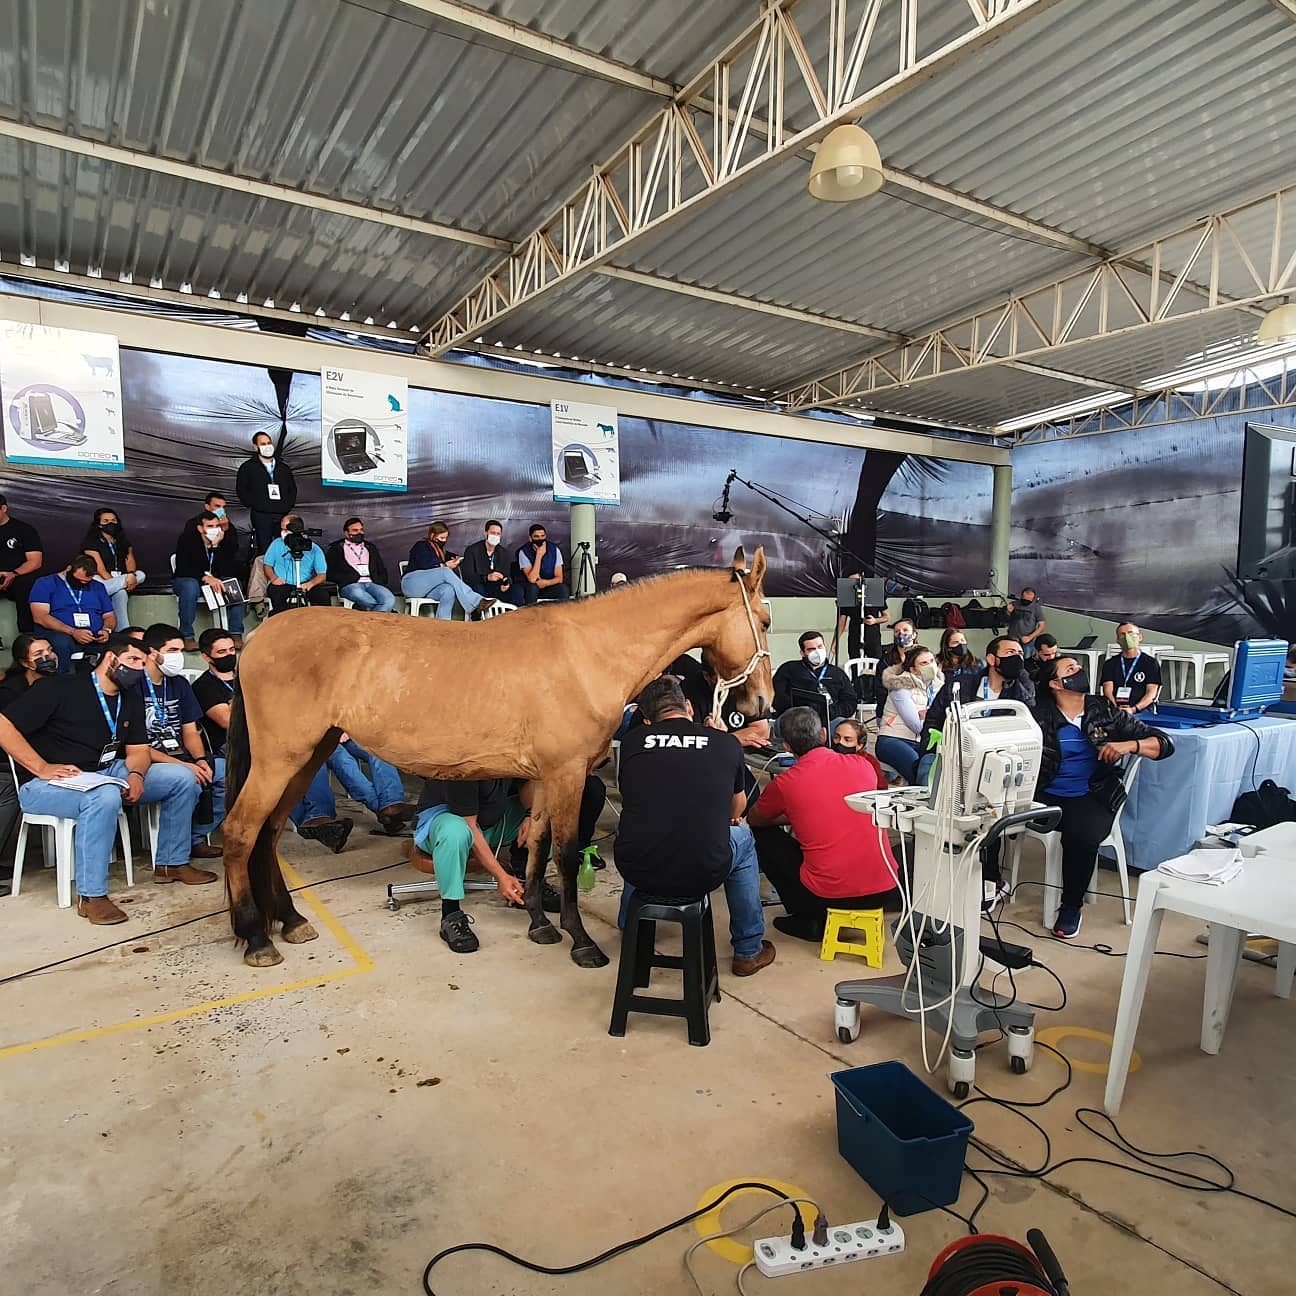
[(846, 166), (1279, 325)]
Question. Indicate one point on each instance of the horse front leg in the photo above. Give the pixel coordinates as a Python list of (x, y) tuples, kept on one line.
[(542, 931), (563, 797)]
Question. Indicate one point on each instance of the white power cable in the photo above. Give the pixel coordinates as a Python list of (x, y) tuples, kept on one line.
[(741, 1228)]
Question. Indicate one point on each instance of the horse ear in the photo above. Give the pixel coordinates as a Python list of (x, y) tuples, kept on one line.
[(757, 569), (739, 560)]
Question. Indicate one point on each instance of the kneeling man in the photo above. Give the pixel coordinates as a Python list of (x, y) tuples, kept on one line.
[(683, 794)]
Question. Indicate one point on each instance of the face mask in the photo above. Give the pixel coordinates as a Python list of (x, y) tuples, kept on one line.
[(172, 663), (356, 539), (220, 512), (817, 656), (927, 672), (45, 665), (905, 639), (111, 529), (126, 677), (845, 751), (1077, 683), (958, 650), (79, 582), (266, 452), (492, 541), (213, 534), (1129, 641), (442, 541), (224, 664), (1009, 667), (1028, 601)]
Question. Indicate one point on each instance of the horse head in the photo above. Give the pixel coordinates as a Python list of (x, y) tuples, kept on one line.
[(740, 651)]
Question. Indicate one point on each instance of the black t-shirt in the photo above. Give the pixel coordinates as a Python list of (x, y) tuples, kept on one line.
[(210, 691), (799, 674), (678, 779), (63, 721), (1135, 675), (17, 540), (485, 798), (13, 687)]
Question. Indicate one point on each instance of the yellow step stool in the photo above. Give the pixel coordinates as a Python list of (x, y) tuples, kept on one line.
[(868, 921)]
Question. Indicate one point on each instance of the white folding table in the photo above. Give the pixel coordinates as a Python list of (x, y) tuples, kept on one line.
[(1262, 899)]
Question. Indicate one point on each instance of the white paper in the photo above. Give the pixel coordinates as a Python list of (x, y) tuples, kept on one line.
[(364, 430), (586, 453), (87, 782), (1212, 867)]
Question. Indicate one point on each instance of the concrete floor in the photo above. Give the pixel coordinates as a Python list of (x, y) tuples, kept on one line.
[(331, 1136)]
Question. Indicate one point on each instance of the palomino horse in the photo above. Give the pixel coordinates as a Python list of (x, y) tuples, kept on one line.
[(535, 694)]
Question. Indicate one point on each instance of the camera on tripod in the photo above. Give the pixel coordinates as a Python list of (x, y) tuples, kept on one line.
[(299, 539)]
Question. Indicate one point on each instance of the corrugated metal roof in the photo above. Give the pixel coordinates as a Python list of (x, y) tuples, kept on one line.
[(976, 398)]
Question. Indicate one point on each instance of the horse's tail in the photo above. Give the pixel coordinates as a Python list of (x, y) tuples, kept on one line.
[(238, 764)]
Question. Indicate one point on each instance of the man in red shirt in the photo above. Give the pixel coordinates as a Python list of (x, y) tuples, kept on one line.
[(835, 860)]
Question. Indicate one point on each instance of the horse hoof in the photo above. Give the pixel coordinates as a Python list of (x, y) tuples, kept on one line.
[(546, 935), (589, 956), (300, 934), (266, 956)]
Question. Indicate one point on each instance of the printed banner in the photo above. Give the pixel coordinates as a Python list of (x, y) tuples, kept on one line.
[(586, 453), (364, 430), (61, 391)]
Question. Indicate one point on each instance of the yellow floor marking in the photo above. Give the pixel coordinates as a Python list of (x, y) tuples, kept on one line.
[(361, 960), (1054, 1035), (737, 1252)]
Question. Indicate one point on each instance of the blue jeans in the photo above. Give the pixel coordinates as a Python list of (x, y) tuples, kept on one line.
[(187, 592), (218, 802), (96, 815), (64, 646), (115, 587), (369, 596), (381, 789), (445, 586), (532, 594), (742, 892), (902, 754)]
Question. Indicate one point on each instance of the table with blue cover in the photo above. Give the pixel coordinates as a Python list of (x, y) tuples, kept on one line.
[(1173, 800)]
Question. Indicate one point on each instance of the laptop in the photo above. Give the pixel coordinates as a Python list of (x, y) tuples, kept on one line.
[(577, 468), (1087, 642), (351, 446), (815, 700)]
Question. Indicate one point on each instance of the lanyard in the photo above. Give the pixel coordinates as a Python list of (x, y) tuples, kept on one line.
[(113, 549), (110, 717), (158, 711), (823, 670), (227, 684), (270, 468), (76, 595), (211, 559), (1133, 666)]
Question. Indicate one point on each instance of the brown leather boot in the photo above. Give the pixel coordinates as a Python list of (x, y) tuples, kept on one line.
[(185, 873), (203, 851), (750, 966), (99, 910)]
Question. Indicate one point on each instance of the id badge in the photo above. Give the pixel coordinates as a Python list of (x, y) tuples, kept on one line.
[(1123, 694), (170, 746), (363, 570), (81, 620), (108, 755), (272, 491)]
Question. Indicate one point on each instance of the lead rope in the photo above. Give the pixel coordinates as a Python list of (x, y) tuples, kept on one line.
[(724, 686)]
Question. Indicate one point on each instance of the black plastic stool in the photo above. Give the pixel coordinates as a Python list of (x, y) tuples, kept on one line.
[(639, 956)]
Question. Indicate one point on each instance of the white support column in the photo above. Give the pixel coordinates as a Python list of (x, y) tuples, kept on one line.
[(1001, 528), (581, 574)]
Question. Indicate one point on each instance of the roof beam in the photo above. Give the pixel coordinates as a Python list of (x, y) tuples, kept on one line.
[(1151, 286), (242, 184), (534, 42), (668, 168), (1287, 6)]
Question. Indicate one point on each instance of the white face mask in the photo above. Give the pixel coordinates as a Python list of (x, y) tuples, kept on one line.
[(172, 663), (266, 451), (492, 541), (817, 656), (213, 534)]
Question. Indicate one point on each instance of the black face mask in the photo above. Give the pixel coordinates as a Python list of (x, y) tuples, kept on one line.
[(79, 582), (111, 529), (1077, 683), (845, 751), (1009, 667), (45, 665), (224, 663), (957, 650), (126, 677), (356, 539)]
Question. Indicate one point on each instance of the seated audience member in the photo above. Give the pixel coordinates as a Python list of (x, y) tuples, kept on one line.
[(457, 819), (541, 563), (1132, 679), (485, 568), (1085, 736), (171, 716), (205, 554), (215, 503), (432, 573), (618, 579), (214, 688), (904, 636), (381, 791), (683, 795), (813, 673), (1026, 620), (356, 567), (33, 661), (1046, 650), (295, 569), (20, 563), (910, 687), (955, 657), (108, 544), (698, 680), (835, 860), (73, 724), (850, 738), (73, 610)]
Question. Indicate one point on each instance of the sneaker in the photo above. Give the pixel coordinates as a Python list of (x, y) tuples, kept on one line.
[(1068, 922), (456, 931), (743, 967), (332, 833)]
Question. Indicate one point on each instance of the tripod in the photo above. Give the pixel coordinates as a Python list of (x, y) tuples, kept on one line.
[(586, 582)]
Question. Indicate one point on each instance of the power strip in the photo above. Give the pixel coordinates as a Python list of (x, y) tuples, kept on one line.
[(776, 1257)]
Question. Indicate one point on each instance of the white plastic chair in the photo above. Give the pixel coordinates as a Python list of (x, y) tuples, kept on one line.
[(415, 606), (857, 666), (60, 845), (1053, 857)]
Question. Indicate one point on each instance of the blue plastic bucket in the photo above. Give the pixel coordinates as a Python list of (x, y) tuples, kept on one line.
[(902, 1138)]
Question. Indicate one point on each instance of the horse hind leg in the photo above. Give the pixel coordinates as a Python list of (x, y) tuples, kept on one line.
[(564, 798), (541, 931), (297, 930)]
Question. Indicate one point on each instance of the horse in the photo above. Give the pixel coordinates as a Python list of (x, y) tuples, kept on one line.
[(534, 694)]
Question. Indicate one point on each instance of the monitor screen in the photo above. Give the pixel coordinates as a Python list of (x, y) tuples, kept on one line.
[(349, 441), (813, 699)]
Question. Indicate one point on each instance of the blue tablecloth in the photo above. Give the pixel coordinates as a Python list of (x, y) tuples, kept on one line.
[(1173, 800)]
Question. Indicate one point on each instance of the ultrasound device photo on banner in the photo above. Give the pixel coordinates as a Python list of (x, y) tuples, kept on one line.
[(61, 392), (586, 453), (364, 430)]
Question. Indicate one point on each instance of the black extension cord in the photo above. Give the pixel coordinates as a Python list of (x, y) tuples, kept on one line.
[(987, 1262)]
